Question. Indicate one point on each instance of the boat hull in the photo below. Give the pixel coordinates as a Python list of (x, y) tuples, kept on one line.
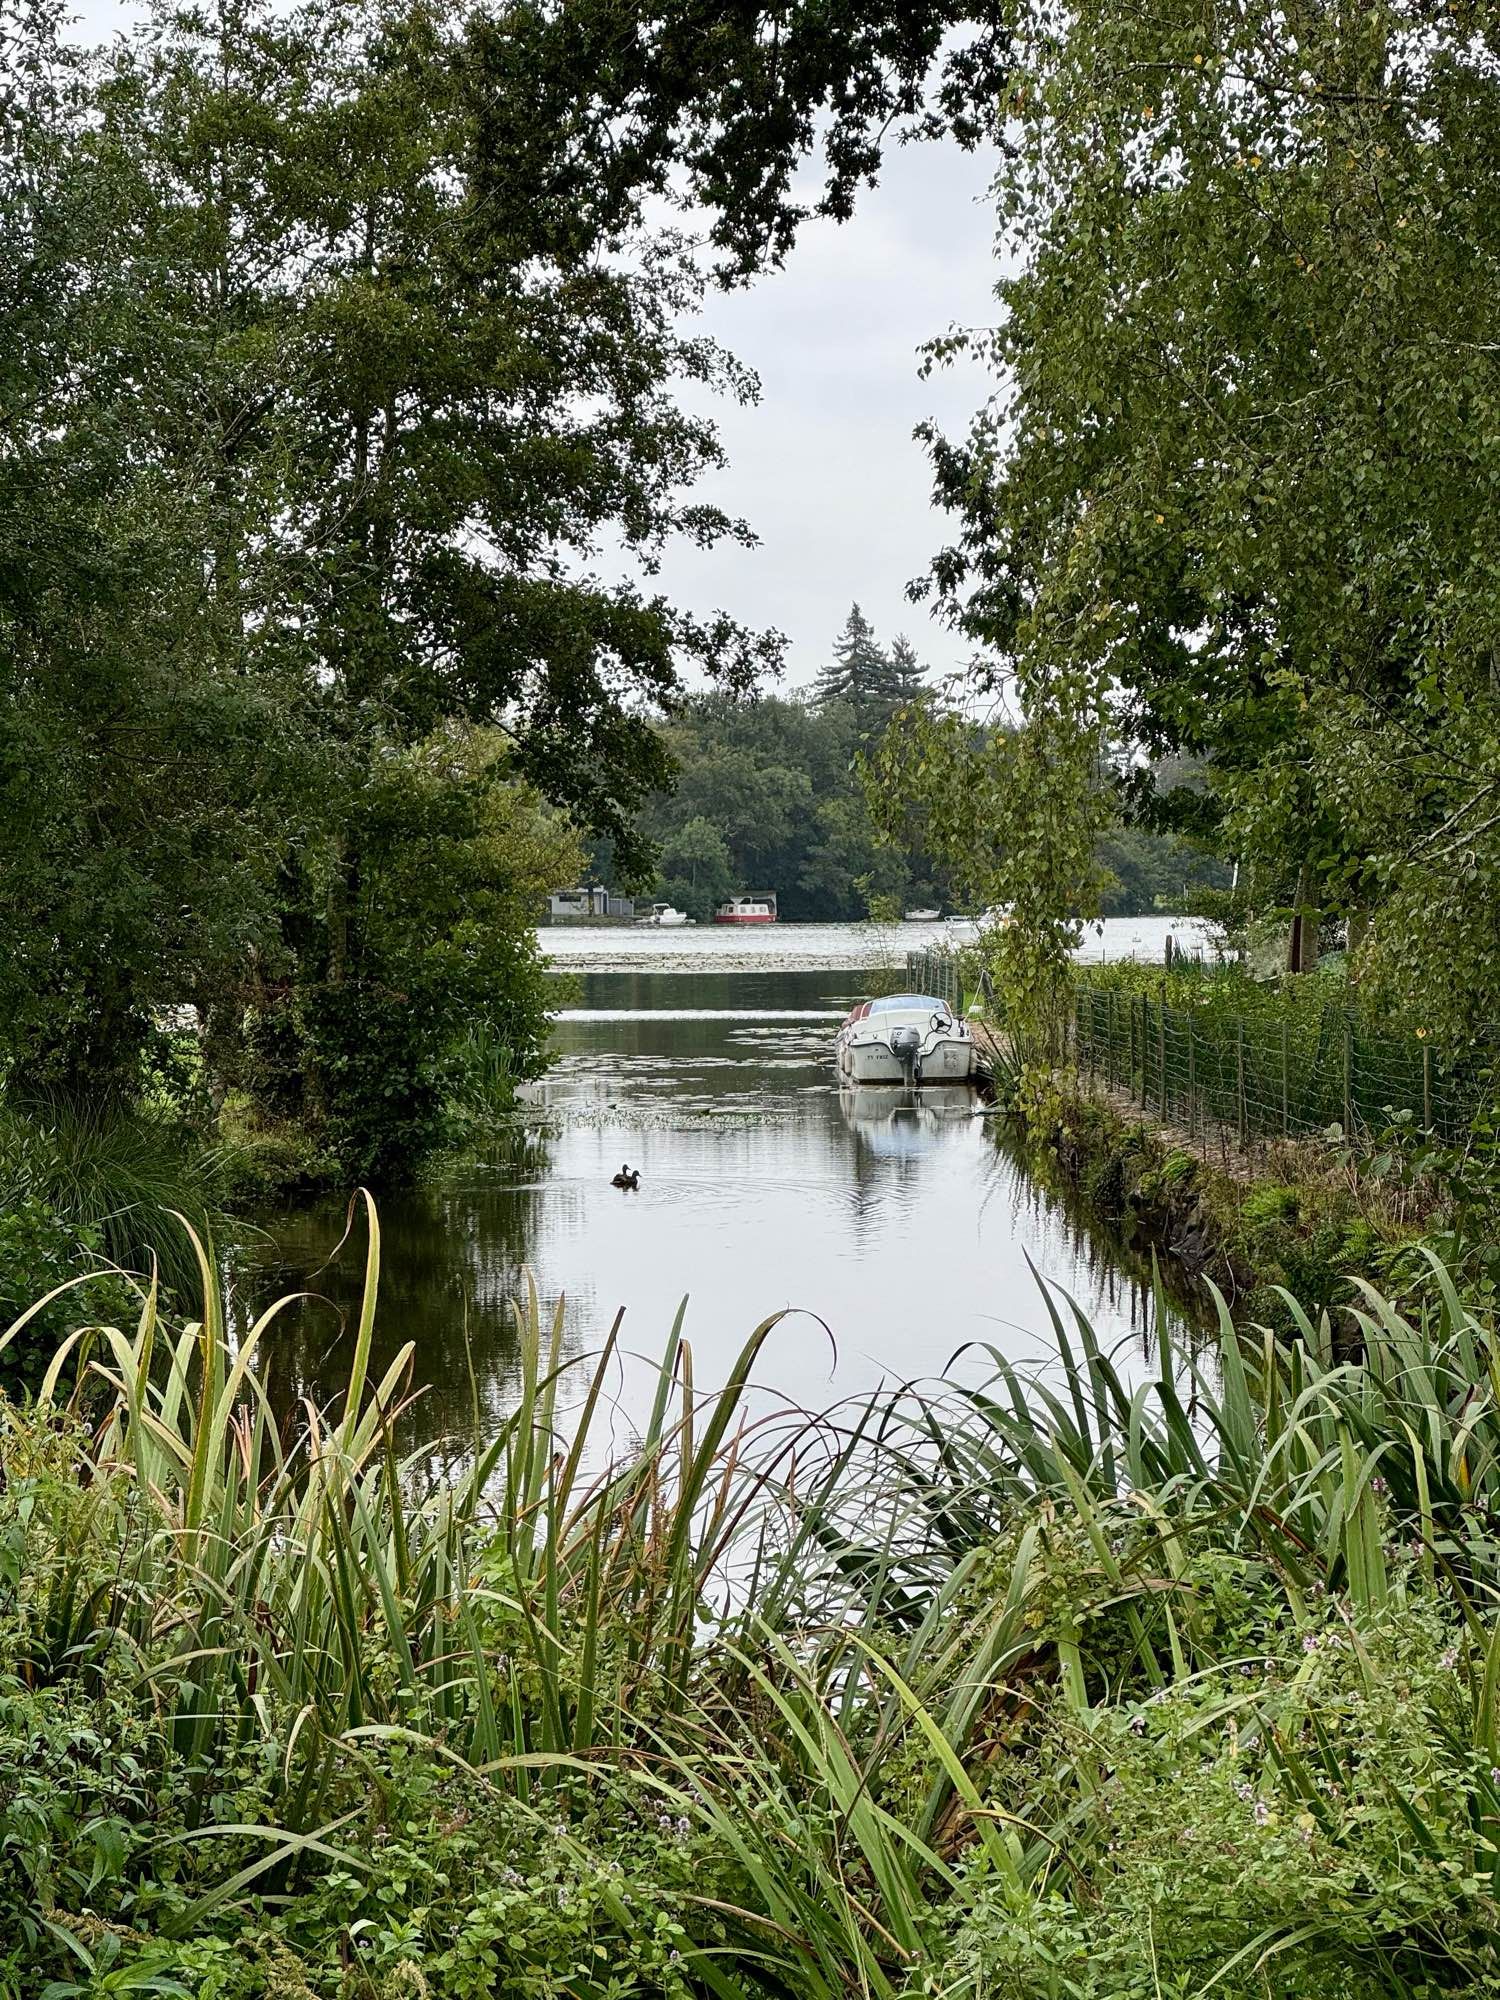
[(946, 1060), (765, 919)]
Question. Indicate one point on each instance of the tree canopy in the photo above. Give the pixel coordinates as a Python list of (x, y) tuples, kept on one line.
[(311, 450), (1231, 496)]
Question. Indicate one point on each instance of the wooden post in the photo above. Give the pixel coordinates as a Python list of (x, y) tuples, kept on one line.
[(1239, 1065), (1285, 1083)]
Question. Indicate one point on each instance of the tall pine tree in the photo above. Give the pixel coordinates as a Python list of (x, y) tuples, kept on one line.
[(860, 669)]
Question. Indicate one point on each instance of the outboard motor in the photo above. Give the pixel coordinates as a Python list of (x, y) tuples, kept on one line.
[(905, 1046)]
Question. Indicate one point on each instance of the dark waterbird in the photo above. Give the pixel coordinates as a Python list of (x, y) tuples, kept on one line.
[(625, 1178)]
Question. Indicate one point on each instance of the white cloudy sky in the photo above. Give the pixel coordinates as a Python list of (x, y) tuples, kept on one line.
[(825, 467)]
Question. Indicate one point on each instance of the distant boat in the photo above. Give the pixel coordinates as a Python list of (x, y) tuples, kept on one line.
[(746, 910), (663, 915), (922, 916), (906, 1038)]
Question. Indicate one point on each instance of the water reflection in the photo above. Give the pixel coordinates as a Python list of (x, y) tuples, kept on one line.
[(898, 1220)]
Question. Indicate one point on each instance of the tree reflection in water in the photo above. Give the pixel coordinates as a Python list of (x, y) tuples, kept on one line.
[(448, 1260)]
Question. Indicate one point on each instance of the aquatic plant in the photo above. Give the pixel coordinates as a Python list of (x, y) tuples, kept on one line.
[(1074, 1683)]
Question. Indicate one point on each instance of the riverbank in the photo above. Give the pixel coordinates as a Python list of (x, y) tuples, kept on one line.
[(1292, 1218), (1261, 1136)]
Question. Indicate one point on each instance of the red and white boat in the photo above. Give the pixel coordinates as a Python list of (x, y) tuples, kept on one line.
[(759, 909)]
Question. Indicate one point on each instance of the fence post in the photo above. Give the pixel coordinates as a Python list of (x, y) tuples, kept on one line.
[(1239, 1067), (1130, 1053), (1285, 1084), (1426, 1087), (1192, 1091), (1109, 1059), (1348, 1081), (1161, 1054)]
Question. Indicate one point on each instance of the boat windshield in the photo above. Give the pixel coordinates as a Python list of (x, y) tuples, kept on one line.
[(909, 1003)]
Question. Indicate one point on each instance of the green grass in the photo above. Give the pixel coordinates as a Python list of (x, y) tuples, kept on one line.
[(1100, 1684)]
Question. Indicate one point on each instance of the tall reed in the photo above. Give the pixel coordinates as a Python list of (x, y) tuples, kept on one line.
[(925, 1689)]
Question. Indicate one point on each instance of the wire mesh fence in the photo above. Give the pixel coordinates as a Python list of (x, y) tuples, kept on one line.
[(1291, 1072), (937, 973)]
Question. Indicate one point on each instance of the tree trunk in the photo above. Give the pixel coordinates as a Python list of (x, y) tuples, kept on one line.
[(1302, 945)]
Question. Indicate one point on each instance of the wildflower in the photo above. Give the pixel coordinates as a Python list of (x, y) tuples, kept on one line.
[(1245, 1792), (1421, 1034), (1138, 1725), (1309, 1642), (1495, 1774), (1245, 1670), (1450, 1658), (1262, 1812), (1378, 1485), (683, 1827)]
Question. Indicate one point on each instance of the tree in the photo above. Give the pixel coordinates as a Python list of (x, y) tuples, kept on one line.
[(142, 787), (696, 871), (590, 109), (907, 679), (1232, 499), (356, 433)]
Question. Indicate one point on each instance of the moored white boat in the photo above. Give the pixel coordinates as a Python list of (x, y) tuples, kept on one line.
[(922, 916), (663, 915), (906, 1038)]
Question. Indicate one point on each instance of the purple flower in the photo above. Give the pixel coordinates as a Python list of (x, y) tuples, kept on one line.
[(1309, 1642), (1378, 1485), (1450, 1658), (1262, 1812), (1138, 1725)]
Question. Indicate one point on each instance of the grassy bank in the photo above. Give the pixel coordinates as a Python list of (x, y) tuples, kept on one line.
[(1051, 1690)]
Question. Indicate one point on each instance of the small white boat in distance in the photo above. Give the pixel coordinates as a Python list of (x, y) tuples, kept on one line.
[(922, 916), (664, 915), (906, 1038)]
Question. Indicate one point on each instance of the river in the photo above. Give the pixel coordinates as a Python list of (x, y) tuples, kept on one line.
[(895, 1230)]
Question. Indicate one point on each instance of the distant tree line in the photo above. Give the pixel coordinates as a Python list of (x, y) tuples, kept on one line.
[(771, 792)]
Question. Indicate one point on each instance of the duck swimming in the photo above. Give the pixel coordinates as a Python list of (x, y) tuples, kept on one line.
[(625, 1178)]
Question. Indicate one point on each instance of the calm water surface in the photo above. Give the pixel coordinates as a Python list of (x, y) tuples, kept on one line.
[(896, 1228)]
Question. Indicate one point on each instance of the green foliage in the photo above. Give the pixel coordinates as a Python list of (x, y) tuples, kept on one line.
[(1046, 1689), (766, 796), (1232, 521), (303, 474), (1015, 815)]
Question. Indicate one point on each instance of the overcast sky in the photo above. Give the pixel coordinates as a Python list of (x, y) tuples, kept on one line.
[(825, 467)]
